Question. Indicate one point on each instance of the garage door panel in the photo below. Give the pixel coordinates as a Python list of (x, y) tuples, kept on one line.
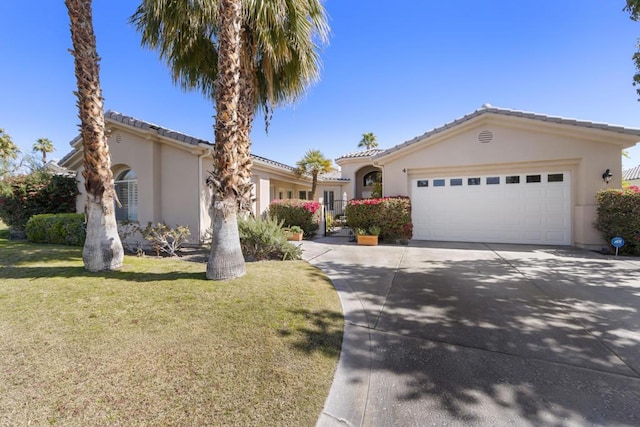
[(525, 212)]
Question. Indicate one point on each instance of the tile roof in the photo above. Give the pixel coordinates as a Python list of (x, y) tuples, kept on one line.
[(132, 121), (633, 173), (179, 136), (488, 109), (363, 153)]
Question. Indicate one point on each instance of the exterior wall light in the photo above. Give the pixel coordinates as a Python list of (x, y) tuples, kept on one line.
[(607, 175)]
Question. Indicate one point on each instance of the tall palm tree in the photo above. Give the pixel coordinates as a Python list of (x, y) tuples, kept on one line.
[(368, 141), (280, 43), (226, 260), (43, 145), (278, 59), (102, 248), (313, 163)]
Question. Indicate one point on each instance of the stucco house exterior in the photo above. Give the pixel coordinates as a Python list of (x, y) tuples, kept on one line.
[(494, 175), (632, 175), (161, 174)]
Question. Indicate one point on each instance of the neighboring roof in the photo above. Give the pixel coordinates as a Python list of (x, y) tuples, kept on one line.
[(363, 153), (633, 173), (488, 109)]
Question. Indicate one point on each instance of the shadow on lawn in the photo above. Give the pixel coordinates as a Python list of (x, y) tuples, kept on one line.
[(550, 340), (29, 272), (325, 336)]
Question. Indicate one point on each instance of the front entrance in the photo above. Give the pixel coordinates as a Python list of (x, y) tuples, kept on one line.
[(335, 224)]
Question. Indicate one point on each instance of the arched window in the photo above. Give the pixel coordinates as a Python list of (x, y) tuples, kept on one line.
[(127, 192), (371, 178)]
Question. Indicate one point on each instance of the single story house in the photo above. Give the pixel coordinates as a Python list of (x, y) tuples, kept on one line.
[(632, 176), (160, 175), (494, 175)]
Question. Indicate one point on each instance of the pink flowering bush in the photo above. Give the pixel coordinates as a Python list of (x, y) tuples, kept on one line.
[(302, 213), (391, 214), (619, 215)]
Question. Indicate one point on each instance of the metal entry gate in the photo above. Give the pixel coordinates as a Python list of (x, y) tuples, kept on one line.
[(335, 219)]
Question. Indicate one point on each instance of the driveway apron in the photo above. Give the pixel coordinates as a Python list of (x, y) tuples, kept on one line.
[(483, 334)]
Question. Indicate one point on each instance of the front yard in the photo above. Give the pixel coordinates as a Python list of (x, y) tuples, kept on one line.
[(157, 344)]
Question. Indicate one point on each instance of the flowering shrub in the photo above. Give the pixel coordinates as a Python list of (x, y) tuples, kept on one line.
[(302, 213), (391, 214), (38, 193), (619, 215)]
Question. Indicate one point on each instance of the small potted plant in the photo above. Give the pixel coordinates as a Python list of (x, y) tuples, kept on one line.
[(294, 233), (368, 237)]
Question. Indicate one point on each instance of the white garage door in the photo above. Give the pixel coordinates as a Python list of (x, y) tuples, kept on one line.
[(530, 208)]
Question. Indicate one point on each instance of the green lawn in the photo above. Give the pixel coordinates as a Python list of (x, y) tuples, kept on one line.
[(157, 344)]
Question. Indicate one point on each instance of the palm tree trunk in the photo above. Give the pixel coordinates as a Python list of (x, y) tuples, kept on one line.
[(226, 260), (314, 185), (102, 249), (246, 110)]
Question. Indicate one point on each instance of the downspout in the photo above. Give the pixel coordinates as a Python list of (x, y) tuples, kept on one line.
[(207, 152)]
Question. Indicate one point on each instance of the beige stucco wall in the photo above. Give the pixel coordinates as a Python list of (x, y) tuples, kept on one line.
[(515, 149)]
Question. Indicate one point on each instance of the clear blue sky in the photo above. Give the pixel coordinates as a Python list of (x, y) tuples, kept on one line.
[(397, 69)]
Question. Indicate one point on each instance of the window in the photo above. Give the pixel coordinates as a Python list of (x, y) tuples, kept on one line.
[(289, 194), (514, 179), (328, 199), (454, 182), (493, 180), (280, 195), (302, 195), (127, 193), (555, 177), (372, 178), (533, 179), (423, 183), (438, 182), (473, 181)]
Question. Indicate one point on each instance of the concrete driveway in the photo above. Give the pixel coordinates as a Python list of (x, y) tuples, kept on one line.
[(483, 334)]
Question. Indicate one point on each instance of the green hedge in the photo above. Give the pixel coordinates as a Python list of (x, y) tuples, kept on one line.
[(303, 213), (59, 229), (619, 215), (38, 193), (391, 214)]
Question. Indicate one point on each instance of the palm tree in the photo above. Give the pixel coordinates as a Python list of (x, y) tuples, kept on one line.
[(226, 260), (8, 150), (313, 163), (280, 42), (43, 145), (102, 248), (368, 141), (278, 61)]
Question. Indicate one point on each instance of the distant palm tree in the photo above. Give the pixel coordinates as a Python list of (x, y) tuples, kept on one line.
[(368, 141), (43, 145), (313, 163), (102, 248)]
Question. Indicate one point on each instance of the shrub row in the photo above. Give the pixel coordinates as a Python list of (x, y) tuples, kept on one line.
[(619, 216), (302, 213), (58, 229), (23, 196), (391, 214)]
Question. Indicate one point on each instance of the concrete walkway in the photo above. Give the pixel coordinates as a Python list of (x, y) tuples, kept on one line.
[(483, 334)]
